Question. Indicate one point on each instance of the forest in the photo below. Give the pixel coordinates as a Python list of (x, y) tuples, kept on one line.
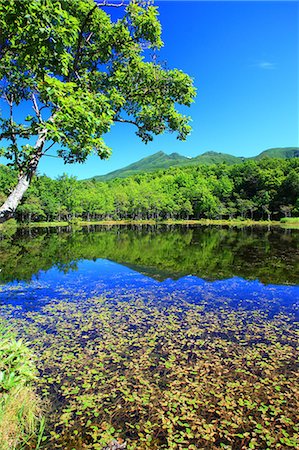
[(257, 190)]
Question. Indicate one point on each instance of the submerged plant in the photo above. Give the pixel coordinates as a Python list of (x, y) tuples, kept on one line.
[(165, 374)]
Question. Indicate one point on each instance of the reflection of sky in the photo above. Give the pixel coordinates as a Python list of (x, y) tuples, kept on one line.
[(112, 280)]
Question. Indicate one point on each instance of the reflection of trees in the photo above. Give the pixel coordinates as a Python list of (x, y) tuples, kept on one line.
[(67, 267), (207, 252)]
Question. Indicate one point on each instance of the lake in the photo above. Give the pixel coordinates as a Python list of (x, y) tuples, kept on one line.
[(166, 337)]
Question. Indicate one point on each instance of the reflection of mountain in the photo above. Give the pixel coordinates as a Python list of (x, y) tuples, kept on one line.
[(160, 252), (117, 282), (152, 272)]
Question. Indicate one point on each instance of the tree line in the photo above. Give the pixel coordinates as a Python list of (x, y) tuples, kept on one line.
[(261, 190), (159, 251)]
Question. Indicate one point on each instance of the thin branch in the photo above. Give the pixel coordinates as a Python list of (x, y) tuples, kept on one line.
[(48, 148), (132, 122), (43, 107), (80, 38), (51, 156), (10, 103), (36, 108), (111, 5), (77, 75), (89, 37), (12, 134)]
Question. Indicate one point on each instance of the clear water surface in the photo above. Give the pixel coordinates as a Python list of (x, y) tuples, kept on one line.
[(166, 337)]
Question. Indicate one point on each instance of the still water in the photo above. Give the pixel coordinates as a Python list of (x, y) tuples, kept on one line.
[(194, 263), (131, 324)]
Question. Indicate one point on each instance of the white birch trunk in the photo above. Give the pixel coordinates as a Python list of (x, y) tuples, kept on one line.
[(9, 207)]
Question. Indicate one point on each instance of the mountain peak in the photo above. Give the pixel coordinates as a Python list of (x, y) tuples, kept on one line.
[(159, 153), (161, 160), (211, 153), (176, 156)]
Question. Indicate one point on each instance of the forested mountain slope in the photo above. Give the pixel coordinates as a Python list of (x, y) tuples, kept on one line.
[(267, 188), (161, 160)]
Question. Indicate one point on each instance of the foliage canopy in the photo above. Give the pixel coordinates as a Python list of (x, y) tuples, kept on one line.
[(82, 71), (87, 71)]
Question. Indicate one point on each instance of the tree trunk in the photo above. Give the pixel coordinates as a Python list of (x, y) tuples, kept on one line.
[(9, 207)]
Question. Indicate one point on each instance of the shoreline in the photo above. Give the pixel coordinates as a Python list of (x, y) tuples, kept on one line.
[(202, 222)]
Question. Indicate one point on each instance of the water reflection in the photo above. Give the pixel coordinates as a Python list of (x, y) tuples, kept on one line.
[(211, 253), (180, 338), (108, 279), (243, 268)]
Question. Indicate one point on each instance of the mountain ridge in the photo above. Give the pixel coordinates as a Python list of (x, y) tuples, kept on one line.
[(161, 160)]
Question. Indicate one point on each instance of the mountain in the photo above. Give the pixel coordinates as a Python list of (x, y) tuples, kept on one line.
[(216, 158), (151, 163), (285, 153), (161, 160)]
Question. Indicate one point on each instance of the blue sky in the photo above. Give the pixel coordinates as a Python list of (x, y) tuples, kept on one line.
[(243, 57)]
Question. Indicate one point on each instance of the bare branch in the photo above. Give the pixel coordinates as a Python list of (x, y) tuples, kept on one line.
[(88, 37), (52, 156), (12, 134), (132, 122), (48, 148), (78, 76), (10, 103), (110, 5), (36, 108), (43, 107)]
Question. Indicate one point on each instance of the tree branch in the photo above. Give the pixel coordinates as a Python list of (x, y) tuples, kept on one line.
[(12, 133), (48, 148), (80, 38), (36, 108), (110, 5), (132, 122), (51, 156)]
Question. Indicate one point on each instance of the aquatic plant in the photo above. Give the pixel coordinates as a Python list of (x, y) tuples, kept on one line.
[(165, 374)]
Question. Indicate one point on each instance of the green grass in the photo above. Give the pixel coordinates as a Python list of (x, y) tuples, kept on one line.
[(221, 222), (291, 220), (45, 224), (285, 222), (21, 421)]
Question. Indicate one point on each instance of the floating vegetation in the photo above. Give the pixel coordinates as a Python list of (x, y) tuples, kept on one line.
[(139, 356), (165, 374)]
